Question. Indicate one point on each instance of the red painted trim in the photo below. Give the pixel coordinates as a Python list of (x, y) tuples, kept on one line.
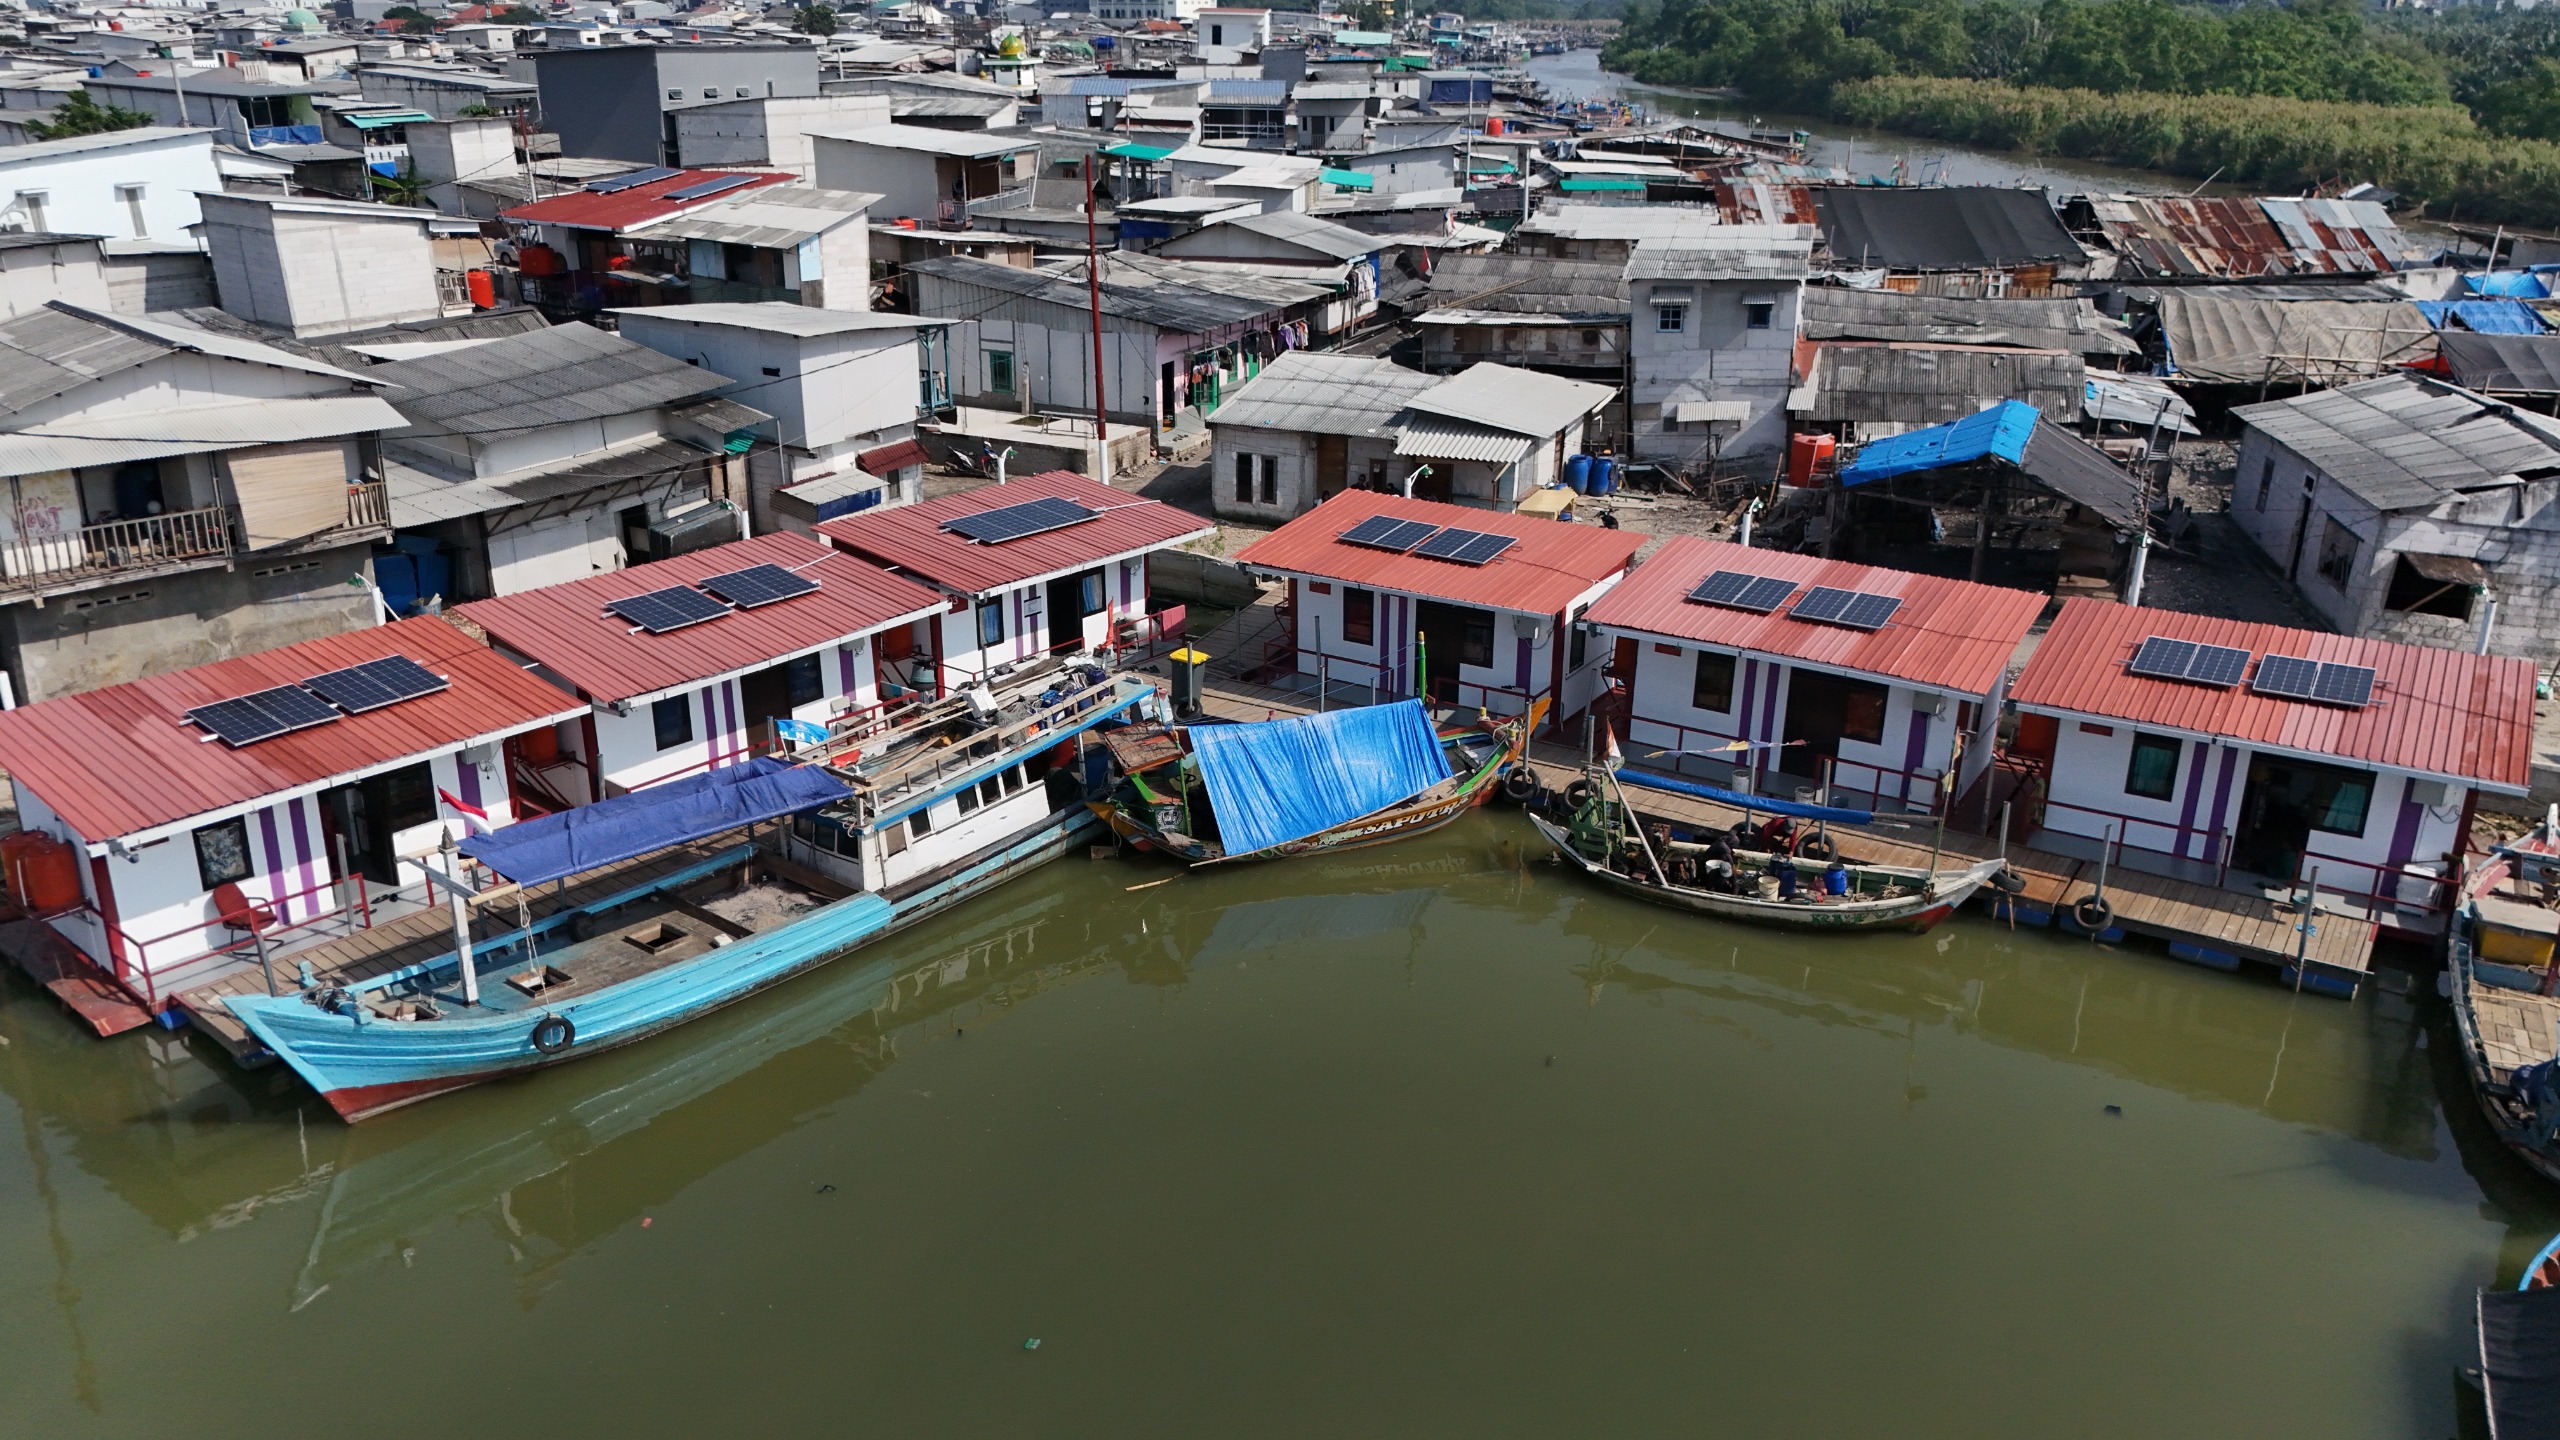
[(362, 1102), (102, 876)]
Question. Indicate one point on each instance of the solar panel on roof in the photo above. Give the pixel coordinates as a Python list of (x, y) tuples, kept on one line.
[(1386, 532), (1742, 590), (1867, 611), (617, 183), (376, 683), (2288, 677), (758, 585), (709, 187), (2162, 658), (2347, 685), (674, 608), (1014, 522), (1464, 547), (2219, 666), (262, 716), (1823, 602)]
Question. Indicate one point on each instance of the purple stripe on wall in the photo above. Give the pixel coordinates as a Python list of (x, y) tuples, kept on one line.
[(1523, 684), (1742, 716), (736, 733), (466, 778), (844, 667), (711, 727), (303, 879), (1021, 621), (275, 862), (2198, 759), (1128, 583), (1916, 751), (2404, 838), (2221, 798), (1769, 712)]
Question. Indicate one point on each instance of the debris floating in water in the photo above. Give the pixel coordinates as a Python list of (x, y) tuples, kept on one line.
[(2115, 1109), (1031, 1344)]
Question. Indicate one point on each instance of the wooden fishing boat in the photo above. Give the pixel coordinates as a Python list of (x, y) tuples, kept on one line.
[(638, 913), (2500, 977), (1159, 802), (1617, 845)]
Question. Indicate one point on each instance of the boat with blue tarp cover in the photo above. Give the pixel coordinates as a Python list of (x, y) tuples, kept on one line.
[(1215, 791), (740, 879)]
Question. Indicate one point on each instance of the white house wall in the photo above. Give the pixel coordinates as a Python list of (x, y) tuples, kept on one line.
[(1523, 665), (1026, 612), (1716, 357), (80, 188), (627, 745), (1917, 745)]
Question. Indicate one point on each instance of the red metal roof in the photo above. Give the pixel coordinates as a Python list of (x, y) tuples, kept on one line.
[(622, 209), (1553, 563), (1947, 634), (122, 760), (2440, 712), (889, 459), (565, 627), (911, 537)]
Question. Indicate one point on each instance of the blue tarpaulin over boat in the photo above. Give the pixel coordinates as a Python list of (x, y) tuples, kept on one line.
[(2484, 317), (629, 826), (1761, 803), (2000, 431), (1274, 781)]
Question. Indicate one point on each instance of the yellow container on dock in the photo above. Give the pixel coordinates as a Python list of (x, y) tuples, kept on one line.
[(2516, 934)]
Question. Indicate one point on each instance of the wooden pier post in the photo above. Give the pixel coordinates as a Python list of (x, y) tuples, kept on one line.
[(461, 922)]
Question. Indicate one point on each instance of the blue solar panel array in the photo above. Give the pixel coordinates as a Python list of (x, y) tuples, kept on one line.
[(1742, 590), (1015, 522), (1386, 532), (758, 585), (1464, 547), (618, 183), (262, 716), (709, 187), (2288, 677), (673, 608), (375, 684), (2162, 658), (1855, 609)]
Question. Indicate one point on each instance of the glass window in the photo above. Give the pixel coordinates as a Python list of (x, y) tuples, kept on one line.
[(673, 720), (920, 824), (1759, 314), (1012, 777), (222, 852), (1359, 615), (1089, 592), (968, 799), (990, 623), (2340, 800), (1672, 318), (2153, 775), (1862, 713), (806, 681), (2338, 554), (1475, 638), (991, 789), (1000, 371), (408, 796), (1713, 687)]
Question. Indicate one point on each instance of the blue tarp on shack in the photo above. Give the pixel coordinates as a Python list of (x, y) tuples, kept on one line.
[(2484, 317), (2000, 431), (1274, 781), (632, 825), (2513, 284)]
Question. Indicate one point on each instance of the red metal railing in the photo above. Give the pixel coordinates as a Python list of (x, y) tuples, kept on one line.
[(130, 955), (1885, 782), (2384, 886)]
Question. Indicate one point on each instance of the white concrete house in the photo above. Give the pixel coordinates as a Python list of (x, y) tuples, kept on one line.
[(667, 706), (122, 185), (920, 173), (1492, 435), (326, 267), (1310, 426), (37, 268), (769, 132), (1711, 343)]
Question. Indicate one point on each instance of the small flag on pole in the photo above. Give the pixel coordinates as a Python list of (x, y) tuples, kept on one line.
[(475, 819)]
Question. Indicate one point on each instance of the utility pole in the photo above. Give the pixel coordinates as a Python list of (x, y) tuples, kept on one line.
[(1093, 285)]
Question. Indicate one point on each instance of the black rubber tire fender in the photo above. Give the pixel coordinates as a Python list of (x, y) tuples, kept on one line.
[(1818, 847), (2092, 913), (1519, 784), (553, 1034), (1576, 795), (2009, 882)]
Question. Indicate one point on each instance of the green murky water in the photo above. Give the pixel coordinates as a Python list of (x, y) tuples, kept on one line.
[(1413, 1143)]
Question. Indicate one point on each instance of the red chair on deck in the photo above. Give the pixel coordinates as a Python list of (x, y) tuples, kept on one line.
[(238, 912)]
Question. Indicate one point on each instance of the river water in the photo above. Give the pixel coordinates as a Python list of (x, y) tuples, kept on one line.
[(1865, 154), (1420, 1141)]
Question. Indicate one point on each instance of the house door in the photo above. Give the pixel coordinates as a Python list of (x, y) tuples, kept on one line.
[(1071, 599), (776, 691), (371, 812), (1333, 465), (1164, 393), (1451, 636), (2284, 802), (1822, 711)]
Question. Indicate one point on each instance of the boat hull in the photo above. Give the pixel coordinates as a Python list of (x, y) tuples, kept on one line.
[(1917, 913), (364, 1070)]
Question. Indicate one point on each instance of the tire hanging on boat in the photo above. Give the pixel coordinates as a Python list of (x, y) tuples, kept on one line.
[(1576, 795), (2009, 882), (2093, 913), (1818, 847), (553, 1034)]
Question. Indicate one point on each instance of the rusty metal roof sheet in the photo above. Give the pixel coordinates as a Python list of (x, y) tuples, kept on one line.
[(911, 539), (565, 627), (121, 761), (2437, 712), (2237, 238), (1552, 563), (1947, 634)]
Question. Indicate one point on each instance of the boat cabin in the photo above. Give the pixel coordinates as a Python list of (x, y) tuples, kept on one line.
[(685, 665), (1773, 672), (1390, 597), (277, 799), (1048, 564), (2236, 754)]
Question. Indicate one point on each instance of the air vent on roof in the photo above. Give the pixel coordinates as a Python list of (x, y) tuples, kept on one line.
[(1386, 532), (1741, 590), (262, 716), (1014, 522), (708, 188), (673, 608), (616, 184), (758, 585), (1855, 609), (375, 684), (1465, 547), (2291, 677), (2162, 658)]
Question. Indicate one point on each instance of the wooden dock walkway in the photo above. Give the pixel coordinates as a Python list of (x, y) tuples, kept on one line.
[(415, 939), (2200, 924)]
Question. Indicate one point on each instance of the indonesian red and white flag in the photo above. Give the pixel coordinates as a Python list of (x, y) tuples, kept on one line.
[(475, 819), (1610, 756)]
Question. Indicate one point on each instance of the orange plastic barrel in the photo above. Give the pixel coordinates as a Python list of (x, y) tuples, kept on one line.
[(539, 747), (484, 291), (1804, 452), (45, 876)]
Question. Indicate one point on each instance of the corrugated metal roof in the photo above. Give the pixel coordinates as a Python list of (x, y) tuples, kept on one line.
[(566, 373), (2503, 364), (1858, 382), (1323, 394), (1592, 290), (38, 151), (2438, 712), (52, 351), (629, 208), (911, 537), (2236, 340), (114, 438), (120, 761), (1836, 312), (1741, 255), (779, 317), (1947, 634), (2401, 441), (925, 139), (772, 217), (1434, 438), (1526, 402), (565, 627), (1323, 236), (1169, 294), (1552, 563)]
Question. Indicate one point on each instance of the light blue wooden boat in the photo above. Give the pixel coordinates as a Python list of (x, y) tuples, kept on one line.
[(626, 965)]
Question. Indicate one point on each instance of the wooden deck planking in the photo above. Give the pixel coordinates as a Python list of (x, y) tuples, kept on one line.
[(2516, 1029)]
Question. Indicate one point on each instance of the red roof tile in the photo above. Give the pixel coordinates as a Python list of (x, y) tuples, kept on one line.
[(1541, 575), (622, 209), (122, 760), (565, 627), (911, 537), (1947, 634), (2440, 712)]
